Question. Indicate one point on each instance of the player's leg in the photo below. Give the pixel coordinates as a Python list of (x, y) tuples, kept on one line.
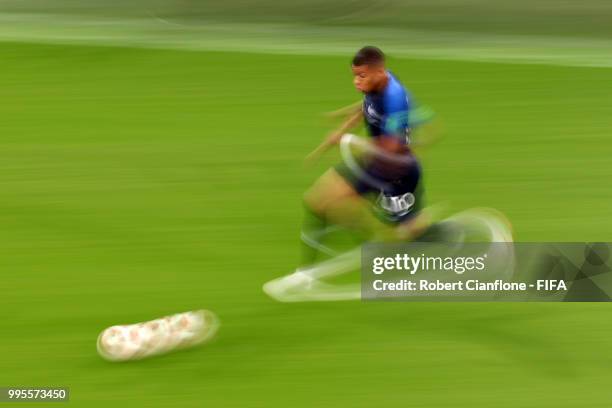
[(329, 188), (322, 207), (336, 198), (307, 284)]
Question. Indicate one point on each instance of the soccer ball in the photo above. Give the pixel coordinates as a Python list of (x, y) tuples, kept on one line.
[(155, 337)]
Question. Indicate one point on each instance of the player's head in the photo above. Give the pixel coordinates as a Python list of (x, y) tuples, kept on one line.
[(369, 69)]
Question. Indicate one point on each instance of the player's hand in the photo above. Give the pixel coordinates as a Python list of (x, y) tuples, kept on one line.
[(314, 156), (343, 112), (331, 140), (334, 114)]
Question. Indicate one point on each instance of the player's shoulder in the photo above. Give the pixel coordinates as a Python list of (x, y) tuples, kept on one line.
[(395, 84), (395, 92)]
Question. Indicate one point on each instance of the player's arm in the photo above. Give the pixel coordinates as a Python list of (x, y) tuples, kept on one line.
[(425, 129), (345, 111), (334, 137)]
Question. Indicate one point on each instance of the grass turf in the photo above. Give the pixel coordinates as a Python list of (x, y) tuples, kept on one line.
[(137, 183)]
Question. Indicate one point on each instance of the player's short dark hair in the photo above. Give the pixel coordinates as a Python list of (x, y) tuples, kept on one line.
[(369, 56)]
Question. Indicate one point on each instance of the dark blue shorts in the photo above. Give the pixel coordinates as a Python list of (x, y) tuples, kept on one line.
[(397, 194)]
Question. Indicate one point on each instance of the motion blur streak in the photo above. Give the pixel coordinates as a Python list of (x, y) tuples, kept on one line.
[(141, 180)]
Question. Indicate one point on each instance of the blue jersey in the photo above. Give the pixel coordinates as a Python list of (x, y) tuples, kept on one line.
[(386, 112)]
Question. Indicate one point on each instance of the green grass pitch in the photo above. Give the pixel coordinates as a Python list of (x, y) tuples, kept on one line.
[(137, 183)]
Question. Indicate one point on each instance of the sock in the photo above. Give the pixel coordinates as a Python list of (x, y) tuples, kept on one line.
[(312, 225)]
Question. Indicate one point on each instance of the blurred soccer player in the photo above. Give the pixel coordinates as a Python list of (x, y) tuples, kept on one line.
[(376, 191), (388, 170)]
